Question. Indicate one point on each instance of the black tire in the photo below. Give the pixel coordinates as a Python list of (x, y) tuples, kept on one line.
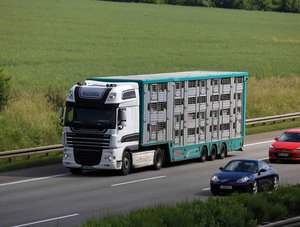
[(213, 153), (223, 152), (275, 182), (271, 160), (203, 154), (126, 163), (76, 171), (254, 187), (158, 159), (214, 192)]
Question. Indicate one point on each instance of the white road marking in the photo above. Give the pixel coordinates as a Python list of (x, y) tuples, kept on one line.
[(47, 220), (66, 174), (34, 179), (205, 189), (253, 144), (135, 181)]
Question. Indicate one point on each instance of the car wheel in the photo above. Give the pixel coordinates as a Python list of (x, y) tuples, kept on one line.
[(203, 154), (158, 159), (254, 187), (271, 160), (76, 171), (214, 192), (275, 183), (126, 163)]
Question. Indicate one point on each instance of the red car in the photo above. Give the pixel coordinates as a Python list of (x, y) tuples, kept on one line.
[(286, 147)]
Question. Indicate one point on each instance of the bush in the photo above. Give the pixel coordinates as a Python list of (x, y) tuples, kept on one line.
[(4, 89)]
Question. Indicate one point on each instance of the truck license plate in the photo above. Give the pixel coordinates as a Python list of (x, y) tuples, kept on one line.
[(87, 167)]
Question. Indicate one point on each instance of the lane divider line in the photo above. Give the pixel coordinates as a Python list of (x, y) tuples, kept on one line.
[(34, 179), (136, 181), (66, 174), (47, 220), (253, 144)]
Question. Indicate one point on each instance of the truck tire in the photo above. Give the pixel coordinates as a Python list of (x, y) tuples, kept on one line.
[(158, 159), (76, 171), (223, 152), (126, 163), (213, 153), (203, 154)]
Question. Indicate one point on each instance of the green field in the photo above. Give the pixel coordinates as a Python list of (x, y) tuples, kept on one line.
[(47, 46)]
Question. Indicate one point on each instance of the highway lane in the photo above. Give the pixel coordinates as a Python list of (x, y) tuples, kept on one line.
[(50, 196)]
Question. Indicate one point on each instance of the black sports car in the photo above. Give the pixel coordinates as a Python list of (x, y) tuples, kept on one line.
[(244, 176)]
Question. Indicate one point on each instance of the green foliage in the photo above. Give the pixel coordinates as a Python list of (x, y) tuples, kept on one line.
[(4, 89), (292, 6), (34, 121), (236, 210), (31, 161), (47, 46)]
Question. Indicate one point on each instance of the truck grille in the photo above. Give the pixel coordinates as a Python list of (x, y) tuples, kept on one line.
[(88, 147)]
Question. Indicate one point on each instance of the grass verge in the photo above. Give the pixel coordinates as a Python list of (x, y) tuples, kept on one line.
[(268, 127), (236, 210), (30, 161)]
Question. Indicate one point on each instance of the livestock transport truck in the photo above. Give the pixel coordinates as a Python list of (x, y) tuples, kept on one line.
[(125, 122)]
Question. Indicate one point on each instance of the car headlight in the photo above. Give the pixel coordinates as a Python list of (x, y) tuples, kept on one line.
[(214, 179), (271, 147), (243, 180)]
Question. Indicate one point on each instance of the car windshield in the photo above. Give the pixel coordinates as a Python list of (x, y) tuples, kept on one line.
[(241, 166), (289, 137), (90, 117)]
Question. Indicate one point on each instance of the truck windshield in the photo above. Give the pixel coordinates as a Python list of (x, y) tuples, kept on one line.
[(90, 118)]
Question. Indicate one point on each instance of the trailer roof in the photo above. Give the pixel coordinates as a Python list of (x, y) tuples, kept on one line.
[(174, 76)]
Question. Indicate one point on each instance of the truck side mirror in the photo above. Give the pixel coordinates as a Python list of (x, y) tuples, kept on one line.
[(61, 115), (122, 118)]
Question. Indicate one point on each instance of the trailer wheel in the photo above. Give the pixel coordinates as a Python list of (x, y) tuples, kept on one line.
[(223, 152), (203, 154), (213, 153), (126, 163), (158, 159), (76, 171)]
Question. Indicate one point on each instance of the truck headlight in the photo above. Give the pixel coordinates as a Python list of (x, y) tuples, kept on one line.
[(67, 155), (109, 157)]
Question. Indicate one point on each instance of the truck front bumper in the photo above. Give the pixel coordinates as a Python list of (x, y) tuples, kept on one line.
[(108, 162)]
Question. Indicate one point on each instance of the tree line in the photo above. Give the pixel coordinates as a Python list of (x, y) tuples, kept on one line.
[(291, 6)]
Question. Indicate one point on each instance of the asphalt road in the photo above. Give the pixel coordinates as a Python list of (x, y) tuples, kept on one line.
[(51, 196)]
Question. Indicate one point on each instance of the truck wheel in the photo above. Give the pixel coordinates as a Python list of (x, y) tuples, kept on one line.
[(76, 171), (126, 163), (213, 153), (203, 154), (158, 158), (223, 152)]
